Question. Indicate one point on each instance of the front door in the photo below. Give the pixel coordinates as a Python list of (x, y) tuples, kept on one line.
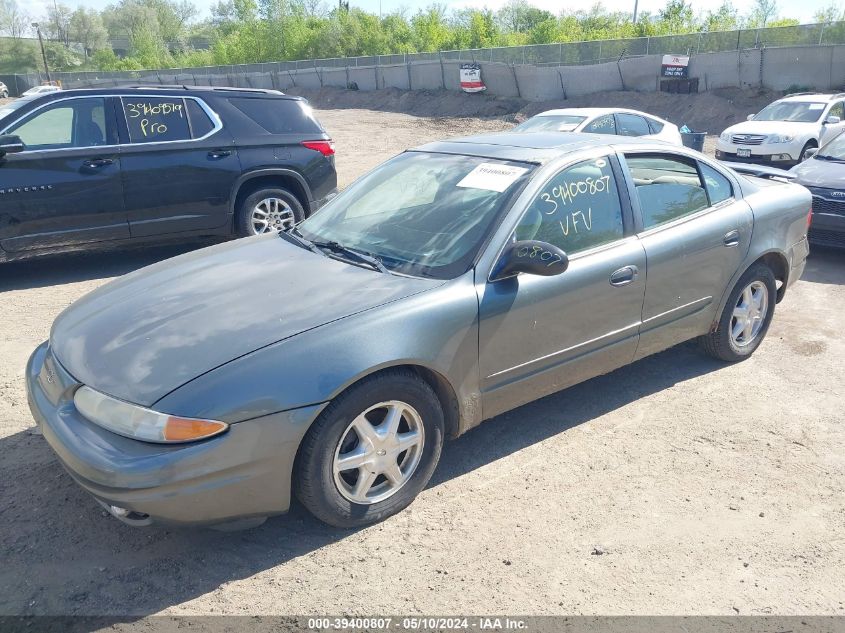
[(64, 188), (695, 235), (179, 165), (538, 335), (831, 130)]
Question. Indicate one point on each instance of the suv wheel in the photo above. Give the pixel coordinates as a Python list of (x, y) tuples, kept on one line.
[(371, 451), (268, 210), (746, 317)]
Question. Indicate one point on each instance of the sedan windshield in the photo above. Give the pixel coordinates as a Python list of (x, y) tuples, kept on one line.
[(835, 150), (420, 214), (551, 123), (798, 111)]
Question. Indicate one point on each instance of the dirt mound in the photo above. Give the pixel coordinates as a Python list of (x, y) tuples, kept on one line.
[(705, 112)]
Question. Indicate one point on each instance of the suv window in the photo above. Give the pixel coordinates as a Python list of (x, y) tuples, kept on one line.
[(156, 119), (718, 187), (578, 208), (602, 125), (631, 125), (201, 124), (278, 116), (667, 187), (64, 124)]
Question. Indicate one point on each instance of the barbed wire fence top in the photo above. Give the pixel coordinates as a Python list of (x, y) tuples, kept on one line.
[(560, 54)]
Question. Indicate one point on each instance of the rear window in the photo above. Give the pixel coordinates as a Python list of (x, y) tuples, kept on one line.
[(279, 116), (654, 126), (200, 123), (156, 119)]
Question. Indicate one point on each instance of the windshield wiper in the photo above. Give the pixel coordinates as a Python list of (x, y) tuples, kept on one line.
[(829, 157), (362, 256)]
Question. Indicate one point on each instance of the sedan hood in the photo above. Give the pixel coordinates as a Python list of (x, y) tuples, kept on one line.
[(816, 172), (142, 336)]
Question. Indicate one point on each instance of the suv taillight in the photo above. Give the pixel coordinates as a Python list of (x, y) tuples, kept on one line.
[(810, 218), (326, 148)]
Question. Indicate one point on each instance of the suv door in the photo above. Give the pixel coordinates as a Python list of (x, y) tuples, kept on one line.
[(179, 165), (538, 335), (831, 130), (695, 235), (65, 187)]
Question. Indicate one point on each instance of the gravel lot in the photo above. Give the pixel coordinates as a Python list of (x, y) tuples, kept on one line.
[(678, 485)]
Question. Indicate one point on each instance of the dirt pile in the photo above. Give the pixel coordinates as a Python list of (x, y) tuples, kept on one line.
[(706, 112)]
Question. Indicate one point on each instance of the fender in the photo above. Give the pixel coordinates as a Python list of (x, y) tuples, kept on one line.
[(270, 171)]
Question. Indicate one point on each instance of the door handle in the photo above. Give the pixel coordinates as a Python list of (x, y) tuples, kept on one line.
[(219, 153), (624, 276), (732, 238), (96, 163)]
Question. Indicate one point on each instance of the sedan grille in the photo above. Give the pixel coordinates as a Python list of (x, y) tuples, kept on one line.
[(827, 238), (833, 207), (748, 139)]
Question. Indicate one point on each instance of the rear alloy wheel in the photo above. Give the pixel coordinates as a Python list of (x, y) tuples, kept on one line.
[(371, 451), (268, 211), (746, 317)]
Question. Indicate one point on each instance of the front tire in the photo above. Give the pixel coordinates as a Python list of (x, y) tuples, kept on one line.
[(746, 317), (268, 210), (371, 451), (807, 145)]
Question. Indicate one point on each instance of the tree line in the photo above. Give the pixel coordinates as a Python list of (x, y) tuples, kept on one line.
[(169, 33)]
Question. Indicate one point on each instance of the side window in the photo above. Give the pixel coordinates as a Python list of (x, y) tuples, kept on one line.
[(65, 124), (156, 119), (577, 209), (201, 124), (838, 109), (667, 187), (631, 125), (718, 187), (654, 126), (278, 116), (602, 125)]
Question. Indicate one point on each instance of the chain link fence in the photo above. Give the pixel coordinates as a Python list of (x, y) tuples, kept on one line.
[(562, 54)]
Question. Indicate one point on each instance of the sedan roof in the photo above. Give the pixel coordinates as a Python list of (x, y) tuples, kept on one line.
[(531, 147)]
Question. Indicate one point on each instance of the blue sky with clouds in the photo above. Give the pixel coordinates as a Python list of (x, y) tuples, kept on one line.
[(802, 10)]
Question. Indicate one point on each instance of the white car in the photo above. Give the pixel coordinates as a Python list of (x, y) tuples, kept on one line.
[(783, 131), (4, 91), (618, 121), (40, 90)]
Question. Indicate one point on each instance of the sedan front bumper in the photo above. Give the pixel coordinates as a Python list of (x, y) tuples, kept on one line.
[(244, 472), (777, 154)]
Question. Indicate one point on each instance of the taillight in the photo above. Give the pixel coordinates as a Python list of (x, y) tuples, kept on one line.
[(810, 217), (326, 148)]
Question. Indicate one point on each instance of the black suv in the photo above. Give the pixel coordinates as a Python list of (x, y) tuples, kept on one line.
[(144, 163)]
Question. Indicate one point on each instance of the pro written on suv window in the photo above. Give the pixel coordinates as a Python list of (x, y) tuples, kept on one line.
[(156, 119), (278, 116)]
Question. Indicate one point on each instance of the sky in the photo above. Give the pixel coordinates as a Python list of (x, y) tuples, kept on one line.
[(801, 10)]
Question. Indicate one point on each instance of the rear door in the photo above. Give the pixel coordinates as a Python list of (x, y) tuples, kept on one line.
[(695, 234), (180, 165), (65, 187)]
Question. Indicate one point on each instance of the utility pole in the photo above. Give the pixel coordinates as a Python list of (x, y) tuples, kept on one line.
[(636, 2), (43, 54)]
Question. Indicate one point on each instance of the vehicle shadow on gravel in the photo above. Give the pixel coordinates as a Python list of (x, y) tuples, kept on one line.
[(53, 270), (64, 555), (825, 266)]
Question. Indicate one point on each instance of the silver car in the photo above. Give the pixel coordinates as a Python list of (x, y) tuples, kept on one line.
[(455, 282)]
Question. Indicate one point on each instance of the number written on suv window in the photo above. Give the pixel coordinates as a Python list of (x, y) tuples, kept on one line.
[(156, 119)]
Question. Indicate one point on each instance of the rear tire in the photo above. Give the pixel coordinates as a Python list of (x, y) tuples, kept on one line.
[(745, 318), (267, 210), (350, 471)]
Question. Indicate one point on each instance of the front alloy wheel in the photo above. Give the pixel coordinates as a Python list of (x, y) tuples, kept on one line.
[(379, 452), (371, 451)]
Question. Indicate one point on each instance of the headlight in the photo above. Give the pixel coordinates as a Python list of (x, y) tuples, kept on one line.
[(725, 136), (139, 423), (780, 138)]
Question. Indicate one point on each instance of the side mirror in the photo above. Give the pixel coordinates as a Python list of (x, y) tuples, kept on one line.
[(811, 151), (832, 119), (10, 144), (531, 257), (750, 117)]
